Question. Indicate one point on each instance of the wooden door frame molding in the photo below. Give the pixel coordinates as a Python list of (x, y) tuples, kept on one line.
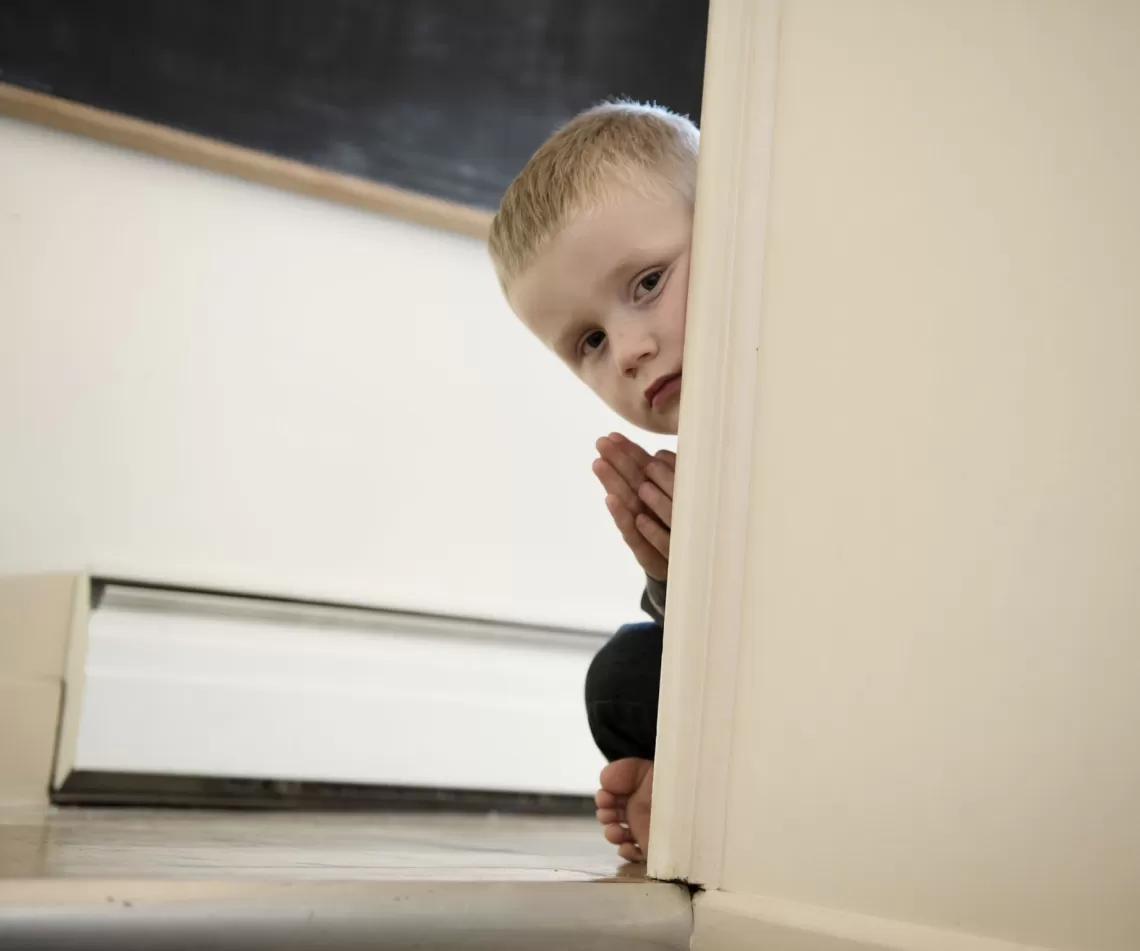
[(706, 573)]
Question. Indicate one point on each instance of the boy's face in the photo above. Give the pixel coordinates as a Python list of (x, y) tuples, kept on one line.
[(608, 295)]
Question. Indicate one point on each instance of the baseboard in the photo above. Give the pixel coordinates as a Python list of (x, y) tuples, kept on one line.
[(145, 790), (187, 685), (723, 921)]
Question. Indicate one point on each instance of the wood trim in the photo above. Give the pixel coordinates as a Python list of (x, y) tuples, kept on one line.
[(706, 573), (35, 624), (165, 790), (74, 672), (235, 160), (723, 921)]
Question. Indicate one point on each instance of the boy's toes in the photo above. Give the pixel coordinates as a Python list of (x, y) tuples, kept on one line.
[(631, 852), (623, 776), (604, 799), (623, 806)]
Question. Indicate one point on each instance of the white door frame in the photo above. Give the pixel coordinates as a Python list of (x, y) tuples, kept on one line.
[(715, 451)]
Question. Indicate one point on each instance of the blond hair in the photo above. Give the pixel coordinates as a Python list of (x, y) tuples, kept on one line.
[(609, 147)]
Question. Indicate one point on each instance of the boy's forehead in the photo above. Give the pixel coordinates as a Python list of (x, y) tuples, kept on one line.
[(596, 243), (623, 225)]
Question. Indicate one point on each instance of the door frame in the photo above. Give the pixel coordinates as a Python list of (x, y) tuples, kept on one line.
[(715, 443)]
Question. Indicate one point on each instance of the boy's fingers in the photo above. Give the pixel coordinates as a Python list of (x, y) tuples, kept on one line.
[(626, 521), (614, 484), (664, 462), (657, 502), (662, 475), (623, 462), (655, 534), (650, 559), (638, 454)]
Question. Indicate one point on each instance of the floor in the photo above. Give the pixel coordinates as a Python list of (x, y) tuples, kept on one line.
[(170, 879)]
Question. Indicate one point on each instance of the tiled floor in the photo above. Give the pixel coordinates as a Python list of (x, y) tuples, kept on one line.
[(149, 878), (302, 846)]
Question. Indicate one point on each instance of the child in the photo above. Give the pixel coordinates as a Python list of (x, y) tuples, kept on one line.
[(591, 245)]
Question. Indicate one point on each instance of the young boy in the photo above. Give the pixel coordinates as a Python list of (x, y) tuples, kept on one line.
[(591, 245)]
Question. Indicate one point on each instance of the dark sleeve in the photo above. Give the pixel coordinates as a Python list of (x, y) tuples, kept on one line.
[(653, 599)]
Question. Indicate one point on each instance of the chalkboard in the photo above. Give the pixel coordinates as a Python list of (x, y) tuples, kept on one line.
[(444, 98)]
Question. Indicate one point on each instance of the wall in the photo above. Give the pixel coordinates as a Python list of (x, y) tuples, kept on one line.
[(938, 719), (213, 383)]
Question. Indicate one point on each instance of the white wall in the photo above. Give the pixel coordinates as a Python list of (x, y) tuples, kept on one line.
[(939, 705), (208, 382)]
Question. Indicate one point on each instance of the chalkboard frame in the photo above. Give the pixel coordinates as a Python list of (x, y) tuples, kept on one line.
[(238, 161)]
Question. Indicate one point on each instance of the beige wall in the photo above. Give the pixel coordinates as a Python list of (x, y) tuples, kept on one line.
[(939, 699)]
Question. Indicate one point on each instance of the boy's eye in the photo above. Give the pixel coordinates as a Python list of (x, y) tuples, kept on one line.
[(649, 283), (593, 340)]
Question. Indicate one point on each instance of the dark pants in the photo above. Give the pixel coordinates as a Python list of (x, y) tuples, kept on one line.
[(622, 686)]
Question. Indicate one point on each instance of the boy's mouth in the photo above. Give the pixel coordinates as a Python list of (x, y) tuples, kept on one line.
[(662, 389)]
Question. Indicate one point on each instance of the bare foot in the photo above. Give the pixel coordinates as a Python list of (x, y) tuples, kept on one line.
[(624, 803)]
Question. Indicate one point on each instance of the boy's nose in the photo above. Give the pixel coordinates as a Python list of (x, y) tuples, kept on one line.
[(632, 349)]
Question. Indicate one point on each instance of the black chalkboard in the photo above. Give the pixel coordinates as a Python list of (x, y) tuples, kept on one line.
[(443, 97)]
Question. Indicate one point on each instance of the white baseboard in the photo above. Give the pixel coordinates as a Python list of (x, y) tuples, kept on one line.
[(723, 921), (198, 685)]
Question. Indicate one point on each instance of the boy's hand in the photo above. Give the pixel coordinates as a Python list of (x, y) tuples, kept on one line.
[(639, 496)]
